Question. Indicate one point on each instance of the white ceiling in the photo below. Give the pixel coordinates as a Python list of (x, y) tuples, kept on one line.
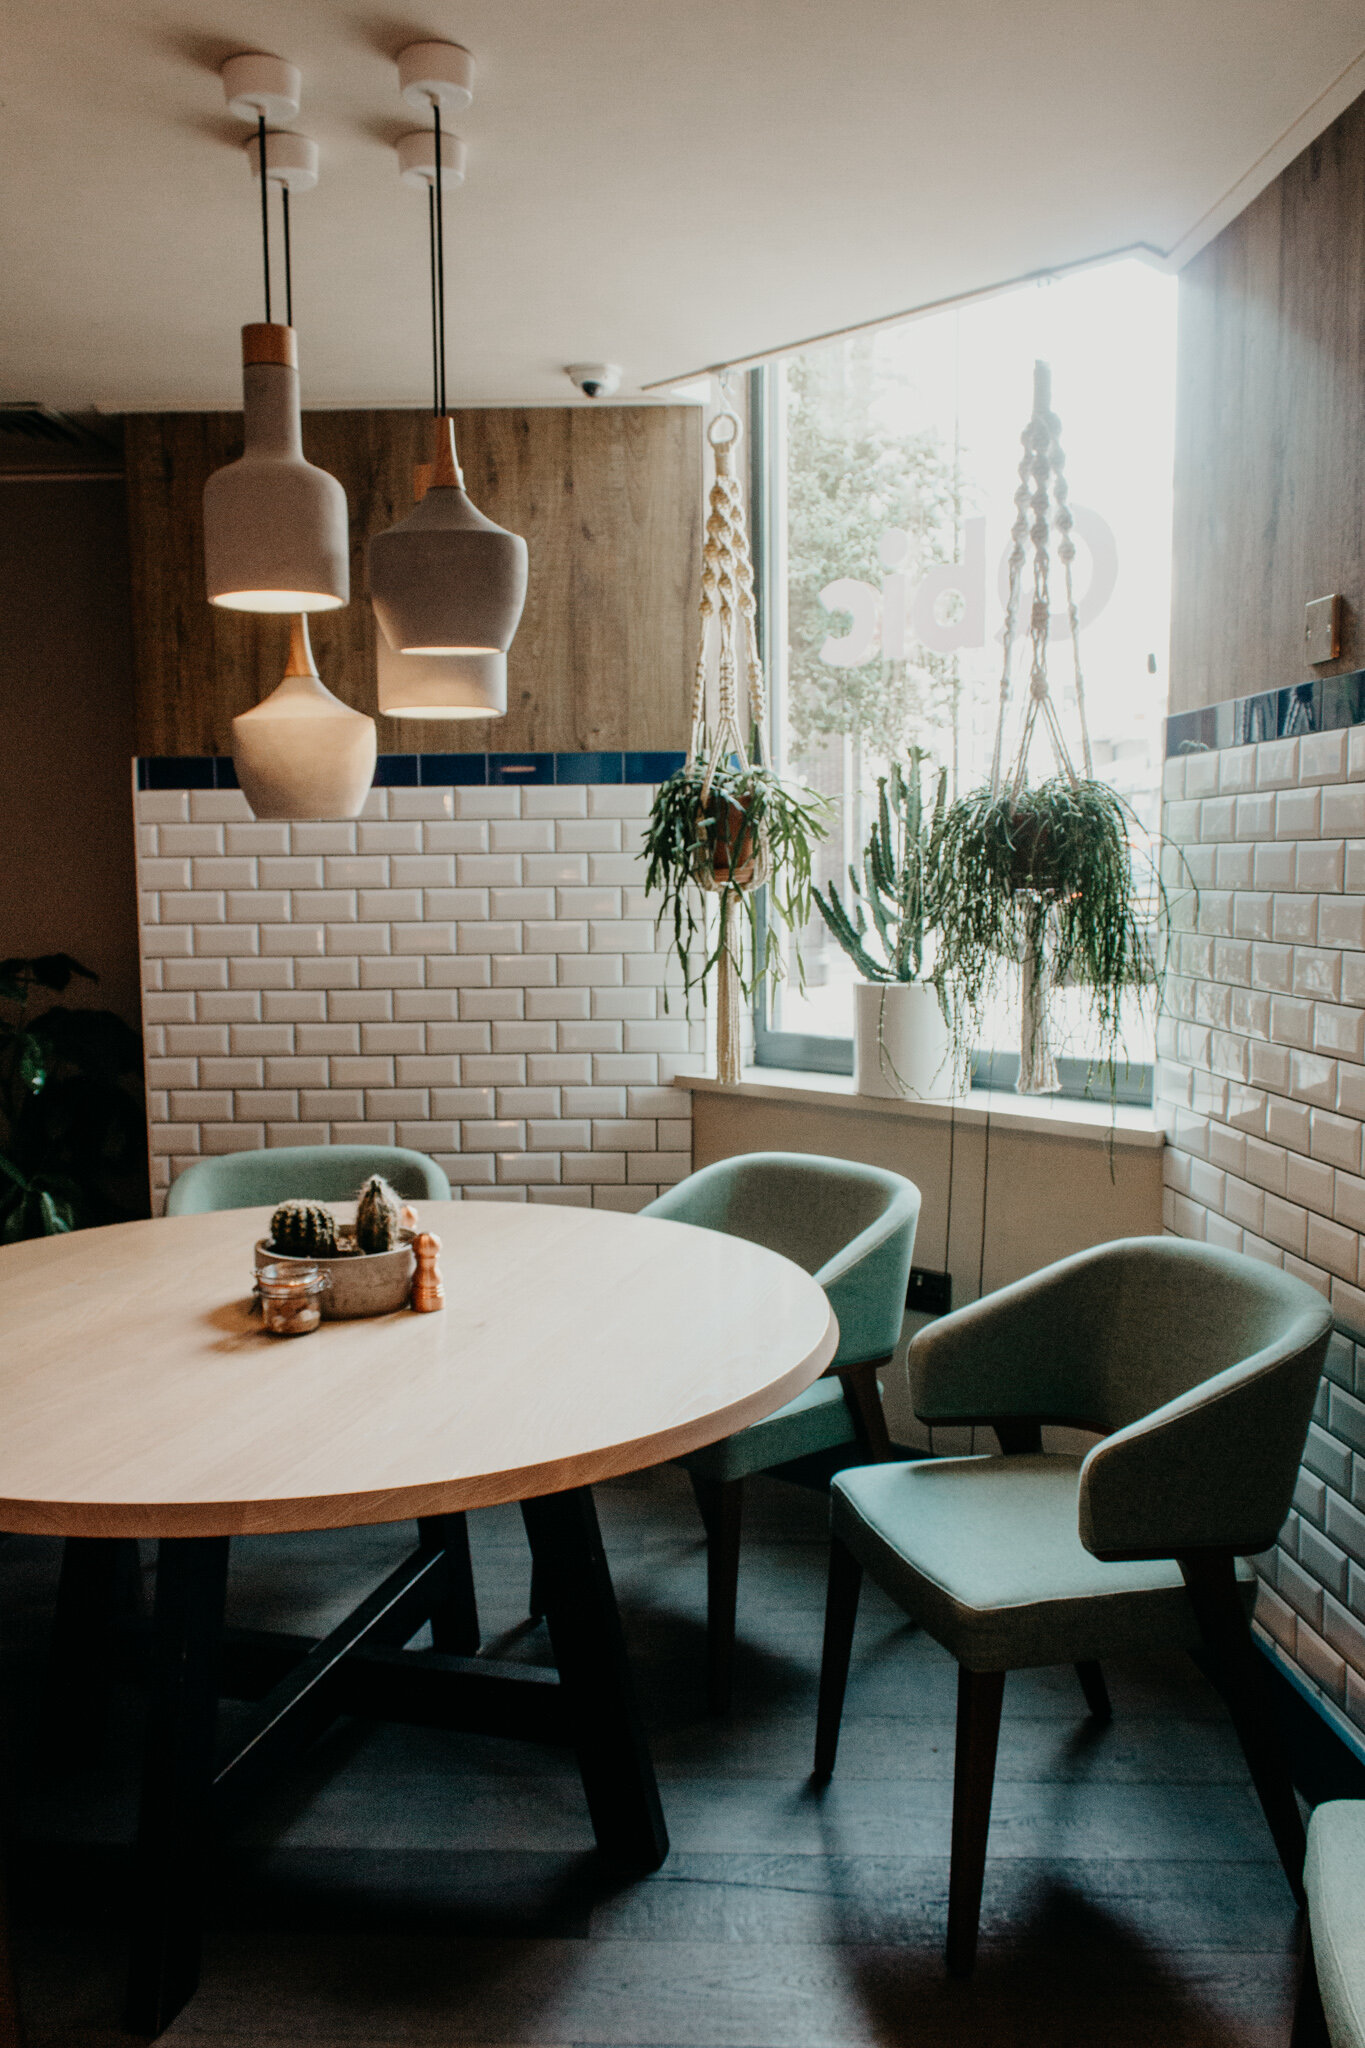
[(664, 185)]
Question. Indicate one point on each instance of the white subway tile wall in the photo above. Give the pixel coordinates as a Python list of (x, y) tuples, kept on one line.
[(1261, 1092), (472, 972)]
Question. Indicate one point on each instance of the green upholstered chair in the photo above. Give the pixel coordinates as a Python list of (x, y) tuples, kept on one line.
[(1200, 1368), (315, 1173), (1331, 2003), (853, 1227)]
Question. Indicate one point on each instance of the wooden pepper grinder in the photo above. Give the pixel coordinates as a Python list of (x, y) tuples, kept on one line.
[(427, 1292)]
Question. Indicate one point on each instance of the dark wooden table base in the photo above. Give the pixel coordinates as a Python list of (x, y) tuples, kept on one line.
[(302, 1684)]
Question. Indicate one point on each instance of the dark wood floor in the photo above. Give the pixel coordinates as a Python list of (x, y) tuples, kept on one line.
[(417, 1888)]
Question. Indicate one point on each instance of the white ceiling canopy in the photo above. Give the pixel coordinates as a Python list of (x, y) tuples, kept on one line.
[(659, 186)]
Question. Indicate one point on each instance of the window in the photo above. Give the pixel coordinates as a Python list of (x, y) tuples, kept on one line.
[(885, 467)]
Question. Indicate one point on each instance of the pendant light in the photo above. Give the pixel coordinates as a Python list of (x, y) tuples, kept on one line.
[(447, 584), (303, 753), (275, 526)]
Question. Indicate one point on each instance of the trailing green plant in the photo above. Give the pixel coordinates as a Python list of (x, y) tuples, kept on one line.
[(378, 1216), (72, 1127), (1042, 878), (304, 1230), (896, 896), (750, 827)]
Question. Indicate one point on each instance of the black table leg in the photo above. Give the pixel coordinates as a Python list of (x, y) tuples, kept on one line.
[(589, 1648), (455, 1623), (174, 1825), (100, 1585)]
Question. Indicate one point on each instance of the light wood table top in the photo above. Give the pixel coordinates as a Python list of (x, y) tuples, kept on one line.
[(139, 1395)]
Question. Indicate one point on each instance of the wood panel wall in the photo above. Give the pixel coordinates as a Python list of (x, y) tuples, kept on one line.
[(610, 503), (1270, 430)]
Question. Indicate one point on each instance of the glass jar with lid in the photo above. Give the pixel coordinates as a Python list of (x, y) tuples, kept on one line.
[(290, 1298)]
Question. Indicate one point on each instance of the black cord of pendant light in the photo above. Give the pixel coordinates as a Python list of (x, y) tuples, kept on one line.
[(265, 210), (288, 264), (431, 261), (265, 230), (439, 276)]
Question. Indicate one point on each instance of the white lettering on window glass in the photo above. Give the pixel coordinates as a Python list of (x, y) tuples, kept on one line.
[(945, 610)]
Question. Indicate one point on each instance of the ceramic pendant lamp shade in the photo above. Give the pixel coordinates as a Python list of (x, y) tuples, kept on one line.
[(275, 526), (440, 685), (446, 580), (303, 753)]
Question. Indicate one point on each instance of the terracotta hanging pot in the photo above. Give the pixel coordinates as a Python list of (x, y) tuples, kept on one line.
[(731, 858)]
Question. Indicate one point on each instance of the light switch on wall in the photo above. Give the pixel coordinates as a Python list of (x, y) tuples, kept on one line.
[(1322, 629)]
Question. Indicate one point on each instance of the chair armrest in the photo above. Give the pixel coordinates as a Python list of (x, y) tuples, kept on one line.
[(1216, 1467), (867, 1281), (1022, 1351)]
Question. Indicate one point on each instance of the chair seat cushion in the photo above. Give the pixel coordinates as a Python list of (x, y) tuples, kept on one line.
[(817, 1420), (985, 1553), (1334, 1878)]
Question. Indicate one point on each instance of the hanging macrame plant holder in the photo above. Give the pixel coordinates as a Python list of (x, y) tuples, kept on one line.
[(732, 856), (1042, 510)]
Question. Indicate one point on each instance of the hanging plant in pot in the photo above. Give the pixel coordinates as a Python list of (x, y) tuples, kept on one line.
[(1041, 878), (901, 1041), (726, 824)]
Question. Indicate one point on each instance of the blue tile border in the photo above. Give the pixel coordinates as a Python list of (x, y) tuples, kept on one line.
[(463, 771), (521, 768), (437, 771), (453, 771), (1326, 704), (652, 767), (588, 768), (396, 771)]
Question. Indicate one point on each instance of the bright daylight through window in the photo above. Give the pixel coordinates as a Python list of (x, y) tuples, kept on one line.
[(886, 468)]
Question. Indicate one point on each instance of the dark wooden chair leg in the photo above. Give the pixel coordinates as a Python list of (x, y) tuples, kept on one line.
[(455, 1623), (721, 1503), (979, 1698), (1211, 1579), (101, 1583), (841, 1618), (1310, 2022), (11, 2030), (864, 1403), (175, 1820), (590, 1651), (1095, 1690)]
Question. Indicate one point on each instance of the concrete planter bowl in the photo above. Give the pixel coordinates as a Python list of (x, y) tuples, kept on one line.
[(360, 1283)]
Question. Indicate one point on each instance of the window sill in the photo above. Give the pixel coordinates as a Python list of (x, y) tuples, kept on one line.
[(1049, 1116)]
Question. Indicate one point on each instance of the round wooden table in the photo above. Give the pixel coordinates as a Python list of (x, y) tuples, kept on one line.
[(140, 1397)]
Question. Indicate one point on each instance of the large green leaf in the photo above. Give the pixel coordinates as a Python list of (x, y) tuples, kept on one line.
[(49, 970), (96, 1042), (31, 1062)]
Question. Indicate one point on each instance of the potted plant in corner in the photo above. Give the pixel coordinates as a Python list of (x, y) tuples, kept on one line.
[(901, 1041), (73, 1132)]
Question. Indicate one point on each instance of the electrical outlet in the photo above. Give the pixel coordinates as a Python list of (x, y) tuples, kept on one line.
[(929, 1293), (1322, 629)]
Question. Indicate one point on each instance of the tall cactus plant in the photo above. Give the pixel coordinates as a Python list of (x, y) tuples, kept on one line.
[(896, 898)]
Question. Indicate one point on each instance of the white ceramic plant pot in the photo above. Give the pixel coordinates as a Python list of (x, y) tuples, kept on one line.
[(901, 1045), (365, 1284)]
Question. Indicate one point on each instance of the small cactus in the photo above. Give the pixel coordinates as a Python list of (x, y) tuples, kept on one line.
[(378, 1219), (303, 1230)]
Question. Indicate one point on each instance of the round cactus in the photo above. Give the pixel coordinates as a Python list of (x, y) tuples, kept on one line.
[(378, 1218), (304, 1230)]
